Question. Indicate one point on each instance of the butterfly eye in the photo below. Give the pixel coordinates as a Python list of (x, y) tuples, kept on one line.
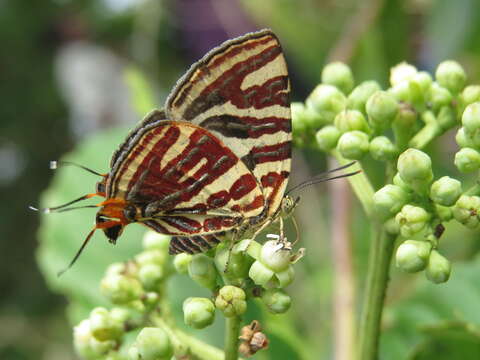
[(130, 212)]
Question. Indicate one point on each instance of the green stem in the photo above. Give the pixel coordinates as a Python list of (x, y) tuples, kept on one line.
[(186, 345), (361, 186), (429, 132), (379, 259), (232, 331)]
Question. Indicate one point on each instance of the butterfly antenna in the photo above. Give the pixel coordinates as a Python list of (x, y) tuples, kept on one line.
[(79, 252), (320, 179), (61, 208), (55, 164)]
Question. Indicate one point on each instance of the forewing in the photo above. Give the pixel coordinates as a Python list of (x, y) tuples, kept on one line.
[(185, 180), (240, 92)]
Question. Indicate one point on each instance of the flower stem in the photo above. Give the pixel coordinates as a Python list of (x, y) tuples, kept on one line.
[(361, 186), (379, 259), (232, 330)]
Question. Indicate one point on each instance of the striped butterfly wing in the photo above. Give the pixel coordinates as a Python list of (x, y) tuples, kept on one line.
[(240, 93), (185, 180)]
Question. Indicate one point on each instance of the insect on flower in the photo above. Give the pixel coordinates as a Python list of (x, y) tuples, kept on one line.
[(215, 162)]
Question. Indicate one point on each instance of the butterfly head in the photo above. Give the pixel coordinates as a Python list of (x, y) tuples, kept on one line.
[(288, 205), (114, 215)]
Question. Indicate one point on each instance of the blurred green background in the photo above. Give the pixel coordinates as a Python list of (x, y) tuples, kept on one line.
[(75, 75)]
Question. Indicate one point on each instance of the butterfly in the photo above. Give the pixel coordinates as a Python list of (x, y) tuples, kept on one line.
[(215, 162)]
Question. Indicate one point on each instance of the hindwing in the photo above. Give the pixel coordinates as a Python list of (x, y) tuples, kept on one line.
[(240, 93)]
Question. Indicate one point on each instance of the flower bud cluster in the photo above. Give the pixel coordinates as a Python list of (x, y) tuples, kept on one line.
[(355, 120), (242, 268), (134, 288), (467, 159), (414, 206)]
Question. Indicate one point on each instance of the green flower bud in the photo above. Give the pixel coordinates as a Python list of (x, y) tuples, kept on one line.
[(198, 312), (402, 72), (153, 256), (467, 160), (391, 226), (277, 301), (260, 274), (402, 91), (462, 139), (238, 263), (451, 75), (181, 261), (299, 115), (151, 276), (381, 109), (397, 180), (423, 79), (202, 270), (121, 314), (412, 219), (438, 269), (412, 256), (349, 120), (406, 118), (339, 75), (306, 118), (103, 326), (327, 138), (121, 289), (353, 145), (415, 168), (389, 200), (359, 96), (82, 337), (275, 256), (443, 212), (153, 240), (266, 277), (134, 353), (382, 149), (466, 211), (102, 348), (231, 301), (439, 96), (471, 118), (470, 95), (446, 191), (153, 343), (116, 269), (327, 101)]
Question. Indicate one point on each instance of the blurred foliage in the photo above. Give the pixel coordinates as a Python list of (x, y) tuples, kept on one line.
[(152, 35)]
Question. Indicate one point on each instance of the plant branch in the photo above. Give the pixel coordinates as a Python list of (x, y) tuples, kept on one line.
[(232, 330), (379, 259), (344, 282)]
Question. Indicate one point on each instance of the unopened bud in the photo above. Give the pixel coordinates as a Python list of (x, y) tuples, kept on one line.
[(381, 109), (412, 256), (339, 75), (359, 96), (327, 138), (327, 101), (451, 75), (412, 219), (467, 160), (438, 269), (353, 145), (446, 191), (231, 301), (198, 312), (382, 148)]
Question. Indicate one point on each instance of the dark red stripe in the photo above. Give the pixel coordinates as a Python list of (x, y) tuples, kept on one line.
[(228, 87), (204, 68), (160, 148)]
